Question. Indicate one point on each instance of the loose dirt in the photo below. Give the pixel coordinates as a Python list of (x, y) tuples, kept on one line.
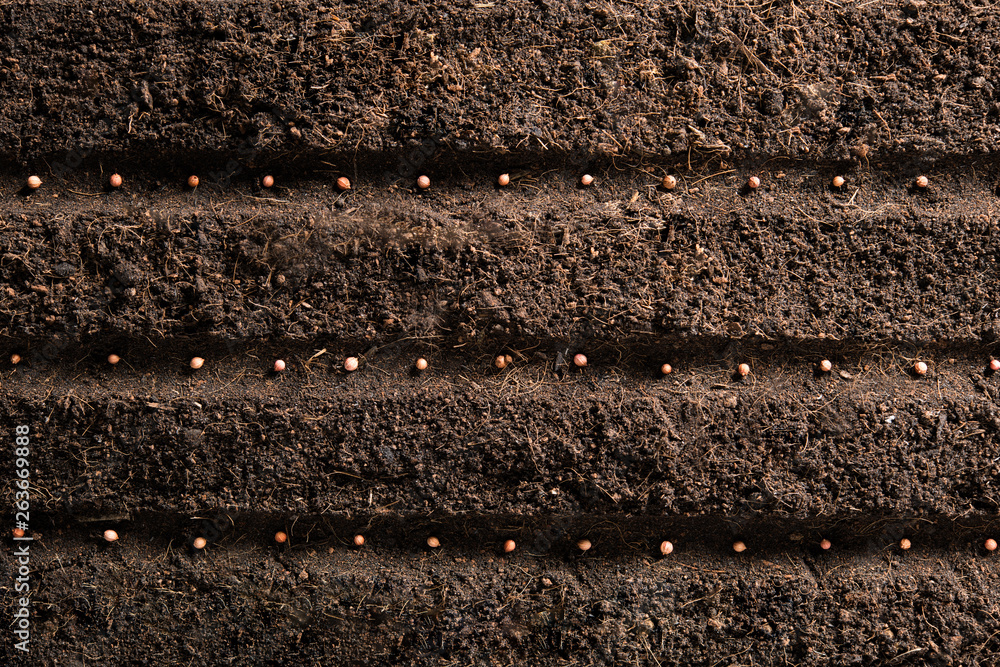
[(874, 276)]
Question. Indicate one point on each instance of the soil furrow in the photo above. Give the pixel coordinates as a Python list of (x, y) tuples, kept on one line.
[(871, 436), (423, 607), (615, 261), (554, 536)]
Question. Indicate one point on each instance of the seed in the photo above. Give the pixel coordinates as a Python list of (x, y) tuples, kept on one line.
[(753, 182), (193, 181), (110, 535), (739, 547), (500, 362), (904, 544), (113, 359), (580, 360), (423, 182), (279, 365), (669, 182), (421, 364), (433, 542), (826, 366), (920, 368), (838, 181), (199, 543), (995, 365), (267, 181), (922, 182), (18, 532), (280, 537), (991, 544), (584, 545), (504, 180), (666, 548), (586, 179), (509, 546), (666, 369), (743, 369), (351, 364), (197, 362), (115, 181), (344, 183), (359, 540), (825, 544), (34, 182), (15, 359)]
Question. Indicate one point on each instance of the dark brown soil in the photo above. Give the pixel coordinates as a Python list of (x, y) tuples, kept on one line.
[(874, 276), (821, 81)]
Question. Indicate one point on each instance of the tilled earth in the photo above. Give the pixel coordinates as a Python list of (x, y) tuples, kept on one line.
[(874, 276)]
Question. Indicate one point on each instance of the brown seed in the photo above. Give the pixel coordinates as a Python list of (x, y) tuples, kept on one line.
[(500, 362), (421, 364), (193, 181), (199, 543), (669, 182), (433, 542), (115, 181), (991, 544), (838, 181), (666, 548), (743, 369), (423, 182), (920, 368), (344, 183), (922, 182), (113, 359), (110, 535), (34, 182), (666, 369), (584, 545), (280, 537), (826, 366), (279, 365), (904, 544), (359, 540), (18, 532), (586, 179), (580, 360), (995, 365), (753, 182), (504, 180), (509, 546), (267, 181), (15, 359), (197, 362), (739, 547), (351, 364), (825, 544)]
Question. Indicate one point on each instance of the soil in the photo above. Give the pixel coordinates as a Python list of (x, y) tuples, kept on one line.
[(874, 276)]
